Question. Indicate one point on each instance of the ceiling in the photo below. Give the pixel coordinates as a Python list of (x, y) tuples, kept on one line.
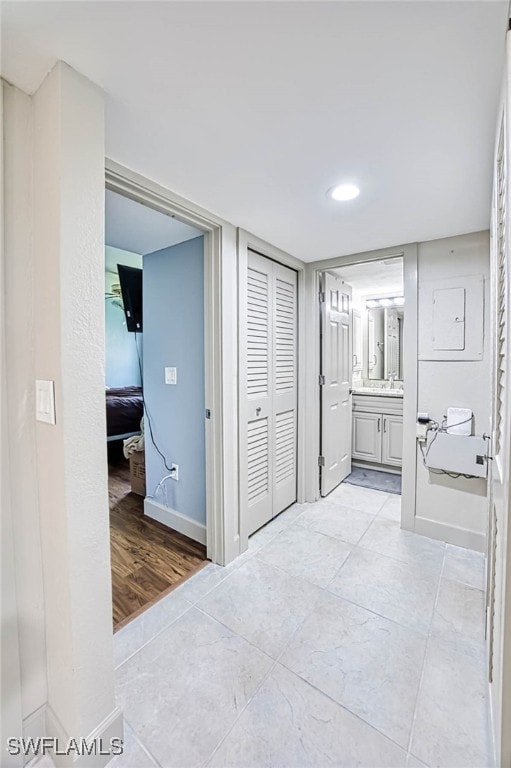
[(254, 109), (135, 227), (375, 277)]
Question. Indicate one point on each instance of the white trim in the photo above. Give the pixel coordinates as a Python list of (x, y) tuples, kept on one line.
[(173, 519), (410, 386), (248, 241), (451, 534), (220, 352), (409, 468), (10, 670), (34, 725), (111, 727)]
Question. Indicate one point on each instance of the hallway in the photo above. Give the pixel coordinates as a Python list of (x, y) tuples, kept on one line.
[(337, 639)]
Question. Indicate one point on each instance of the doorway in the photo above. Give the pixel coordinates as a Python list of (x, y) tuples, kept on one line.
[(408, 256), (156, 396), (362, 371)]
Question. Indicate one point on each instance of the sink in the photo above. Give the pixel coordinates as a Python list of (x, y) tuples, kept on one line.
[(378, 391)]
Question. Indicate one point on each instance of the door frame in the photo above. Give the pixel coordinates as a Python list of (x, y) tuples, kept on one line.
[(246, 241), (409, 254), (221, 535)]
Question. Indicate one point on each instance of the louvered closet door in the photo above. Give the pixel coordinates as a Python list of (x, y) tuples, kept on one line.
[(268, 458), (498, 599), (259, 415), (284, 386)]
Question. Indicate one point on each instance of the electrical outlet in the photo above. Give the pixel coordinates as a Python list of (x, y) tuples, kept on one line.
[(175, 471)]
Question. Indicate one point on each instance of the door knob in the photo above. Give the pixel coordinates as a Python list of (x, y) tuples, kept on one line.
[(258, 410)]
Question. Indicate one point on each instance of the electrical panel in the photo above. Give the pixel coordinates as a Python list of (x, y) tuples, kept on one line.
[(451, 318)]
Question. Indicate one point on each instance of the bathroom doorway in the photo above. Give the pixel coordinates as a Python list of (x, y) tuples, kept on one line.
[(362, 360), (366, 351)]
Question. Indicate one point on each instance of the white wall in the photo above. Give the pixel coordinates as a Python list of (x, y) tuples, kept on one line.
[(71, 455), (174, 315), (450, 509), (20, 334)]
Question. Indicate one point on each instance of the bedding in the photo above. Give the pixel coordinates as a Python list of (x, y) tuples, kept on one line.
[(124, 410)]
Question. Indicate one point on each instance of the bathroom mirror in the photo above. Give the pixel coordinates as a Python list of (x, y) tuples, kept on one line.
[(385, 342)]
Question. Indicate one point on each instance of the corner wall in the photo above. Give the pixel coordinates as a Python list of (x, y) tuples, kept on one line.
[(20, 375), (455, 510), (69, 188)]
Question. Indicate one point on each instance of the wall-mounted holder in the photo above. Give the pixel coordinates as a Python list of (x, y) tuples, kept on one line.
[(460, 454)]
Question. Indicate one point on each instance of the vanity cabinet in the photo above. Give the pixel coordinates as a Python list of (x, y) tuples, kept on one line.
[(366, 440), (377, 435), (392, 441)]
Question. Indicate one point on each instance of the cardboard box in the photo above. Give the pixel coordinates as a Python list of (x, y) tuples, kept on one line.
[(137, 472)]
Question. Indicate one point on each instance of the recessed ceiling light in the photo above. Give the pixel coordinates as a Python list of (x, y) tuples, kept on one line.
[(344, 192)]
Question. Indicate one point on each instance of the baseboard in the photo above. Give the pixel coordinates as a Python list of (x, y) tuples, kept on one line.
[(34, 727), (175, 520), (112, 727), (460, 537)]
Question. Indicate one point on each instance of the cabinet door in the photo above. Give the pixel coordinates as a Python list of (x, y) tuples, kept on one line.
[(392, 442), (367, 436)]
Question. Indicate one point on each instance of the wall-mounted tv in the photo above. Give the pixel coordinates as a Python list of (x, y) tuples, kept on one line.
[(130, 279)]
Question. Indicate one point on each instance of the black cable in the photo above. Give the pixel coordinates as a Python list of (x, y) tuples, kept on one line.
[(146, 411)]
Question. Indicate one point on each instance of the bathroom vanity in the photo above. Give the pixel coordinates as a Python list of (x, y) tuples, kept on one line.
[(377, 437)]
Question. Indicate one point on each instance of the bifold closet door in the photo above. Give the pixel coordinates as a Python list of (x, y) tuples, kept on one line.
[(269, 355)]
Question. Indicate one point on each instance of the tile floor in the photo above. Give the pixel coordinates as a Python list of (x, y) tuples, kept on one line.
[(336, 640)]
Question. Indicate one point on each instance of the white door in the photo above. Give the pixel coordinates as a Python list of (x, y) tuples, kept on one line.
[(268, 355), (257, 461), (366, 441), (336, 371), (392, 441), (285, 390), (498, 605)]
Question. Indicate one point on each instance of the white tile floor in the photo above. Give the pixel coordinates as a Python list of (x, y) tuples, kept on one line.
[(336, 640)]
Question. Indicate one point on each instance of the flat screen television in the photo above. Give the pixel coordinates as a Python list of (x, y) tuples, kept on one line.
[(130, 279)]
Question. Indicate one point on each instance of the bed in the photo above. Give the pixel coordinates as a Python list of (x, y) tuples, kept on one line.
[(124, 410)]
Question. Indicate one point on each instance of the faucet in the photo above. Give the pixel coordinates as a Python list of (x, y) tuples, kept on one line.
[(392, 376)]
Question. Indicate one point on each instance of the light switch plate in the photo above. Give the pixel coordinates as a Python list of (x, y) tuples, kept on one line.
[(170, 375), (45, 401)]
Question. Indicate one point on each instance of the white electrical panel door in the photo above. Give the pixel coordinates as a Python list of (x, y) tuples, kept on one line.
[(268, 356), (451, 318), (336, 369)]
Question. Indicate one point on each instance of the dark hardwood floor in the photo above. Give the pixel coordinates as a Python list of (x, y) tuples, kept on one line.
[(148, 559)]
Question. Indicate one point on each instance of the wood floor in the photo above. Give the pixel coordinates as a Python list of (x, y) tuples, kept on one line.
[(148, 559)]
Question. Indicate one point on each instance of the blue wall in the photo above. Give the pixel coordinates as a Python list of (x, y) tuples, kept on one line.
[(174, 336), (121, 361)]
